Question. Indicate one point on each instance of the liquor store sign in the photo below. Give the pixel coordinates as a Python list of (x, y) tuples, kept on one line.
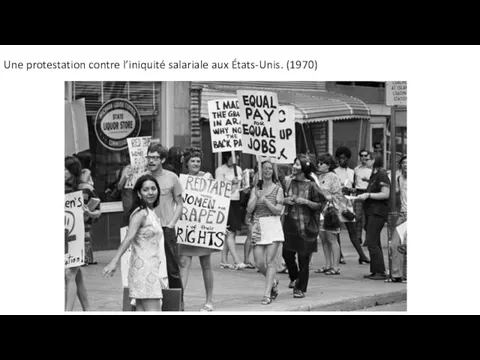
[(117, 120)]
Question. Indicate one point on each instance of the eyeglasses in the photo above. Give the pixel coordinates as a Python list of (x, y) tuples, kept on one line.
[(364, 155), (156, 158)]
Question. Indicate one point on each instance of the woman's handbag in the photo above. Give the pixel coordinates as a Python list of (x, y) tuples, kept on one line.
[(331, 221)]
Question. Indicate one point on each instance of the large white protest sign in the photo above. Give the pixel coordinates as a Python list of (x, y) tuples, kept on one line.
[(225, 125), (137, 148), (286, 140), (125, 262), (206, 203), (260, 125), (74, 230)]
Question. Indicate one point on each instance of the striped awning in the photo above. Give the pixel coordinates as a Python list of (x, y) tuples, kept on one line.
[(310, 106)]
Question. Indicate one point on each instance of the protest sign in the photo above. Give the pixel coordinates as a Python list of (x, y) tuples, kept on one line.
[(74, 230), (286, 140), (137, 148), (260, 123), (225, 125), (76, 130), (206, 203)]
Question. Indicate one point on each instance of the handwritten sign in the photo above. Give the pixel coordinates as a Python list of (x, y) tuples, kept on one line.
[(137, 148), (206, 203), (260, 124), (271, 230), (225, 125), (74, 230), (286, 137), (396, 93)]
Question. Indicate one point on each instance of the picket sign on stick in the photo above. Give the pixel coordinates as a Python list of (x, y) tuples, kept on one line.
[(234, 160)]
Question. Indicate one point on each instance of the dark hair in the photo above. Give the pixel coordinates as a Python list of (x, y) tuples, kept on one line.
[(307, 166), (401, 159), (377, 160), (363, 151), (73, 165), (343, 150), (85, 159), (274, 176), (226, 155), (157, 147), (327, 159), (139, 202), (192, 152)]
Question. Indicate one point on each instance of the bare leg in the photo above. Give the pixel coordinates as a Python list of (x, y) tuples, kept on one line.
[(70, 288), (271, 251), (327, 251), (335, 248), (151, 304), (247, 247), (232, 247), (185, 263), (259, 256), (82, 291), (225, 251), (207, 277)]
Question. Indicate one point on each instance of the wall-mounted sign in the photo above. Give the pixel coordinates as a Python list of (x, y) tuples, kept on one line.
[(396, 93), (116, 120)]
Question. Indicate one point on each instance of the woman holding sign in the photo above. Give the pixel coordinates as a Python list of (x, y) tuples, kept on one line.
[(193, 158), (229, 171), (301, 223), (74, 284), (147, 275), (266, 203)]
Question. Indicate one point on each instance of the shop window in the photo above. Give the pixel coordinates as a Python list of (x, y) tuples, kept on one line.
[(107, 163)]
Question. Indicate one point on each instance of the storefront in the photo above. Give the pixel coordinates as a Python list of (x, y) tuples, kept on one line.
[(156, 109)]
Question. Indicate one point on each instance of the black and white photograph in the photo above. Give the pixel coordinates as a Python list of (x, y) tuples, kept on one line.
[(237, 196)]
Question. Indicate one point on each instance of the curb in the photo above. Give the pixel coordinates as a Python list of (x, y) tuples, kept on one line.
[(358, 303)]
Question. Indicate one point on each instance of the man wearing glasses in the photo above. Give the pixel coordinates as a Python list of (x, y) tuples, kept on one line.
[(362, 174), (169, 210)]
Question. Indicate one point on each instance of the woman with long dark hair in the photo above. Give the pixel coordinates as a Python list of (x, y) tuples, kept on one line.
[(301, 223), (376, 214), (147, 275)]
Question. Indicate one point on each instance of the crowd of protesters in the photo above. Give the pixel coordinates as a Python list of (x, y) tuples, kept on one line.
[(298, 202)]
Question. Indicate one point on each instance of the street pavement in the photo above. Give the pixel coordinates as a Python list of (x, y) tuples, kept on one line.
[(240, 291)]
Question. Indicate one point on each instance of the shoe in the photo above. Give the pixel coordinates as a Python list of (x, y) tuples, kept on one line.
[(333, 271), (249, 265), (366, 261), (298, 294), (206, 308), (292, 284), (226, 266), (240, 266), (322, 270), (266, 300), (342, 261), (378, 277), (274, 291), (283, 271), (93, 263)]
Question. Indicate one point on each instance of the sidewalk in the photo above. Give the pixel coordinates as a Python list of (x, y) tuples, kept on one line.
[(242, 290)]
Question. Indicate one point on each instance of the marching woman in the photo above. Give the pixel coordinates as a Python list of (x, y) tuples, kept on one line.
[(301, 223), (376, 213), (147, 275), (266, 200), (193, 158)]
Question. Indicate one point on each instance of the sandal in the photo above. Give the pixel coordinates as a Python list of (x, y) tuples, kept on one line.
[(249, 265), (226, 266), (266, 300), (332, 272), (206, 308), (323, 270)]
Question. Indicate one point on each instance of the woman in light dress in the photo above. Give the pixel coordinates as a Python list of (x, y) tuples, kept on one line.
[(147, 275)]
